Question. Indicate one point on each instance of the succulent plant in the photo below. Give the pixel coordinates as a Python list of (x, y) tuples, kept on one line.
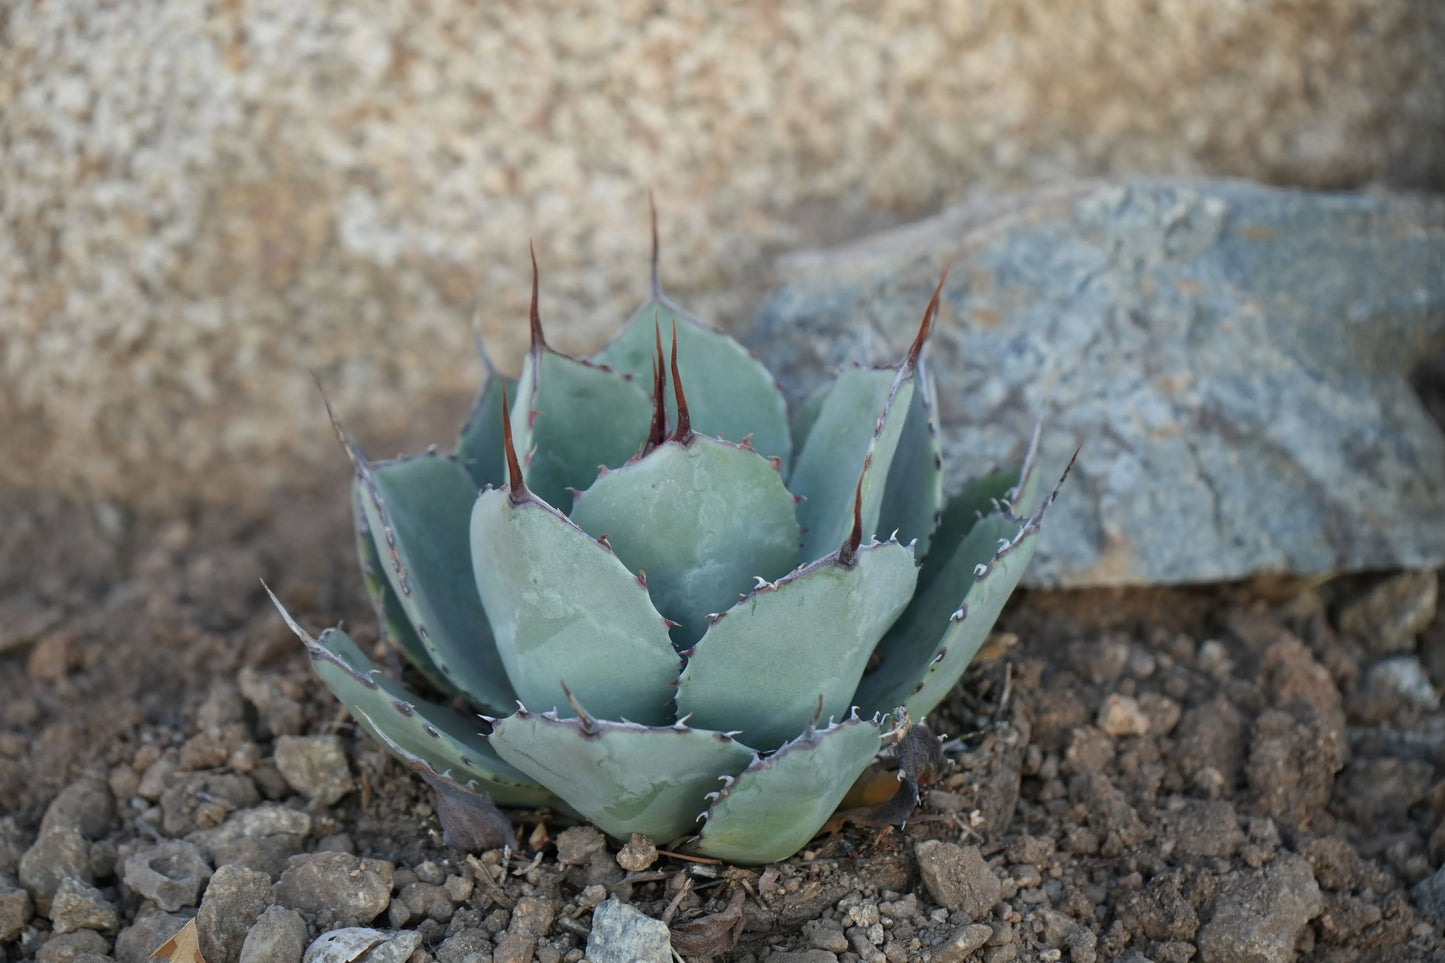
[(645, 594)]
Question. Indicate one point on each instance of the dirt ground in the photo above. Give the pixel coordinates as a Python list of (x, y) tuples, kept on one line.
[(1163, 774)]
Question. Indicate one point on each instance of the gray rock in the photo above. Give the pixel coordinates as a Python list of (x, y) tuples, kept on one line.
[(278, 705), (363, 945), (804, 956), (234, 899), (1389, 616), (86, 805), (80, 906), (314, 766), (1404, 678), (1234, 360), (335, 889), (958, 878), (278, 936), (15, 909), (70, 947), (172, 872), (262, 838), (826, 934), (576, 844), (149, 931), (1259, 916), (469, 945), (204, 800), (622, 934), (58, 854), (421, 901), (1202, 827), (962, 942), (13, 843), (1428, 895)]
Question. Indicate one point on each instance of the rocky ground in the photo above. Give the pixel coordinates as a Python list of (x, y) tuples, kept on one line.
[(1245, 772)]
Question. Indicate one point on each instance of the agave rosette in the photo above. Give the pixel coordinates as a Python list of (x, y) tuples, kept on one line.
[(704, 639)]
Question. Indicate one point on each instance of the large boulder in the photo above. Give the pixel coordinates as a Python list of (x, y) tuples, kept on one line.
[(1235, 360)]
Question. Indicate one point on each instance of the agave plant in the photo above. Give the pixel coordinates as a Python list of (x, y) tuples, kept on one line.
[(644, 593)]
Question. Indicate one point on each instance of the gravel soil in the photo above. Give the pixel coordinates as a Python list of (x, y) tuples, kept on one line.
[(1243, 772)]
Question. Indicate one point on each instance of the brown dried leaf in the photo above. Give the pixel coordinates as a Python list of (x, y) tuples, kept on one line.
[(184, 946), (714, 935)]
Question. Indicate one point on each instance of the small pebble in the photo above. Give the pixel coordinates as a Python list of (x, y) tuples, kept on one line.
[(173, 872), (637, 854), (314, 766)]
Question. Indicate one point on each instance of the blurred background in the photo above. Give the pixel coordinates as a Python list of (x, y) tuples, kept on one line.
[(198, 202)]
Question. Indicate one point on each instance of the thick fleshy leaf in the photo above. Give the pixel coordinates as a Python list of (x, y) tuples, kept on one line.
[(935, 639), (420, 507), (729, 392), (396, 627), (703, 518), (571, 417), (913, 496), (807, 415), (480, 447), (857, 429), (977, 499), (764, 664), (625, 778), (567, 612), (777, 804), (429, 737)]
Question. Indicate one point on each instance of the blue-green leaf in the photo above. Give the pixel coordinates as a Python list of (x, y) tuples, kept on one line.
[(777, 804), (856, 431), (570, 418), (396, 628), (729, 392), (913, 496), (625, 778), (766, 663), (567, 612), (703, 518), (418, 509), (480, 447), (429, 737)]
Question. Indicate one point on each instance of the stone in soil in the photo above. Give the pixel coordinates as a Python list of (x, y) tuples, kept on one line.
[(15, 909), (78, 905), (1387, 618), (234, 899), (260, 838), (958, 878), (278, 936), (71, 947), (356, 943), (314, 766), (172, 873), (1201, 827), (59, 854), (146, 932), (623, 934), (1293, 757), (204, 800), (86, 806), (576, 844), (962, 943), (1259, 916), (335, 889)]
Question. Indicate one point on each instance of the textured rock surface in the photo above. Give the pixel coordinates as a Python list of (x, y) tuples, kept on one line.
[(1260, 916), (1234, 359), (201, 201), (623, 934)]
